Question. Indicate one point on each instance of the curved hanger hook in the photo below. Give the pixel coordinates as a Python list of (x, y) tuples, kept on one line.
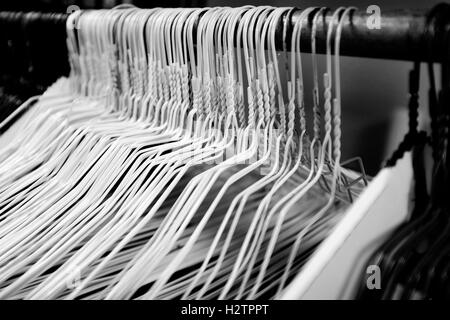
[(276, 73), (266, 108), (316, 100), (328, 83), (337, 100), (297, 83)]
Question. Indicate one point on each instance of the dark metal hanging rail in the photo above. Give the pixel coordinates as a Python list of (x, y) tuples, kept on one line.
[(399, 37)]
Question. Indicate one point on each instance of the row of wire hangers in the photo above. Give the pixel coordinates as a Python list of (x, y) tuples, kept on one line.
[(173, 163)]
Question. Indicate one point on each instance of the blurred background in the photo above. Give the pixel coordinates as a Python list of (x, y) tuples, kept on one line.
[(374, 92)]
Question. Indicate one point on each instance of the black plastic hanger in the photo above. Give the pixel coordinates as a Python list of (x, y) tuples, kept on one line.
[(409, 255), (426, 270), (420, 221), (406, 256)]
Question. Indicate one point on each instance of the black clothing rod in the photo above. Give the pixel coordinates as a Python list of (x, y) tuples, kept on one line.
[(400, 36)]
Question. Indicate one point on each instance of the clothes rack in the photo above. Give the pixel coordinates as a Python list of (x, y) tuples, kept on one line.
[(399, 37), (402, 35)]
